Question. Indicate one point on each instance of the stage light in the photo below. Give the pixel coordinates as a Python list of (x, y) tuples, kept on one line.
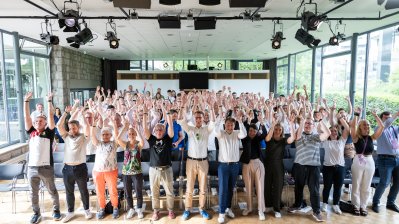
[(306, 39), (80, 38), (276, 41), (69, 20), (333, 41), (113, 40), (311, 21)]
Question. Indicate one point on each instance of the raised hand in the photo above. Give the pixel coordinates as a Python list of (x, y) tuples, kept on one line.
[(28, 96), (358, 110), (374, 112), (49, 96), (76, 101)]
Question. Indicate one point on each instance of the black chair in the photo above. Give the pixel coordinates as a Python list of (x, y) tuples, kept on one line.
[(212, 179), (11, 172)]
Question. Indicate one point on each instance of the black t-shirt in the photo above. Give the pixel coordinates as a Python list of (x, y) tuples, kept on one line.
[(275, 150), (359, 145), (47, 134), (160, 151)]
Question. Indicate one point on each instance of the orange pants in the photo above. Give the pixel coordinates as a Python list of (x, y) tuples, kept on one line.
[(110, 177)]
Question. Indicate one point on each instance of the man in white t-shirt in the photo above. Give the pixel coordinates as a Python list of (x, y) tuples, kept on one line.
[(40, 162)]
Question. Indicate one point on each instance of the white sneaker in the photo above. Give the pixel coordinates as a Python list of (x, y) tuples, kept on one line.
[(195, 192), (268, 209), (68, 217), (261, 216), (88, 214), (230, 213), (277, 214), (130, 213), (140, 214), (214, 191), (221, 218), (324, 207), (336, 209), (346, 190), (245, 212)]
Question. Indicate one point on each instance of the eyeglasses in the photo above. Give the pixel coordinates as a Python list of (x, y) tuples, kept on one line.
[(308, 123), (158, 129)]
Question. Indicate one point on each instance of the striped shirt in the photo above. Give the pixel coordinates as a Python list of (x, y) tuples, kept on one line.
[(308, 150)]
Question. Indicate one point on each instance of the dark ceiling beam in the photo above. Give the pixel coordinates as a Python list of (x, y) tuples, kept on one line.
[(39, 7)]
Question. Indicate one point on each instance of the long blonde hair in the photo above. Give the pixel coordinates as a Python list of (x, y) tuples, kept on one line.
[(358, 131)]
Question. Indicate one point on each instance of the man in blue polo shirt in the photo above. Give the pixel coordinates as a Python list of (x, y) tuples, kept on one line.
[(178, 138), (388, 162)]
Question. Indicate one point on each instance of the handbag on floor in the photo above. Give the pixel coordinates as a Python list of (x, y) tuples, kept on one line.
[(346, 206)]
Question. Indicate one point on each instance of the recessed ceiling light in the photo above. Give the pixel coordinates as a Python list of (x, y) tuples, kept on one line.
[(174, 46), (189, 41), (102, 50), (170, 34), (209, 34), (258, 26), (121, 26), (239, 41), (189, 50), (90, 45), (204, 46), (189, 26)]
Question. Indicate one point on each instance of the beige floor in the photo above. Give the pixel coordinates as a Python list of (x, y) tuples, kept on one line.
[(24, 212)]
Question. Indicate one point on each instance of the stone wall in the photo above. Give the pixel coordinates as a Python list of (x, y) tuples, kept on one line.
[(71, 69)]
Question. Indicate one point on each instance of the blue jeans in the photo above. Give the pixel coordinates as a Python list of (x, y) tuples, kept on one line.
[(388, 168), (227, 174)]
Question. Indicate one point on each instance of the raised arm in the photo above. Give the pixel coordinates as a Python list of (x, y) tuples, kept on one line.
[(146, 128), (381, 126), (50, 111), (170, 123), (292, 137), (349, 105), (93, 132), (119, 138), (300, 129), (61, 126), (325, 131), (270, 134), (345, 124), (27, 118), (353, 124), (243, 132)]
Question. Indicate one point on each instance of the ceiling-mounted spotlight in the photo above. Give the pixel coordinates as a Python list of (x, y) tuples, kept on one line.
[(169, 22), (246, 15), (333, 41), (111, 36), (276, 41), (134, 14), (190, 15), (256, 17), (113, 40), (306, 39), (311, 21), (47, 36), (278, 36), (81, 38), (69, 20), (169, 2)]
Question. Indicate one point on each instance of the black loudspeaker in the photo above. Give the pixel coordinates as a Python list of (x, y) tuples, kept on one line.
[(205, 23), (191, 80), (209, 2), (247, 3), (192, 67), (169, 2), (169, 22), (136, 4)]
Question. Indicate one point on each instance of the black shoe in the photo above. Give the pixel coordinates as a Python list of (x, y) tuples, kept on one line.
[(393, 207), (375, 208)]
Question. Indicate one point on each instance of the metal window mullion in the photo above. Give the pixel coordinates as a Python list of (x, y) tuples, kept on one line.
[(321, 73), (18, 79), (34, 77), (288, 74), (366, 62), (4, 89), (312, 84)]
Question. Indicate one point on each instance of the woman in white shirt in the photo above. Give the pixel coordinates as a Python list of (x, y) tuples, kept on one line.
[(334, 164)]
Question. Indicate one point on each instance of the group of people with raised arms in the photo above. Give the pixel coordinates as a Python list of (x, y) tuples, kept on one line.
[(252, 132)]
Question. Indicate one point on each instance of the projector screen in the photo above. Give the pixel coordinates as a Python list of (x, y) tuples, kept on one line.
[(191, 80)]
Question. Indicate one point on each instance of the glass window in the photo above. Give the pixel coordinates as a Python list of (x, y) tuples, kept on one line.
[(163, 65), (336, 79), (292, 73), (250, 65), (217, 65), (282, 76), (360, 69), (3, 126), (303, 72), (282, 61), (383, 72), (135, 65), (179, 65), (33, 47), (317, 73), (11, 86)]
